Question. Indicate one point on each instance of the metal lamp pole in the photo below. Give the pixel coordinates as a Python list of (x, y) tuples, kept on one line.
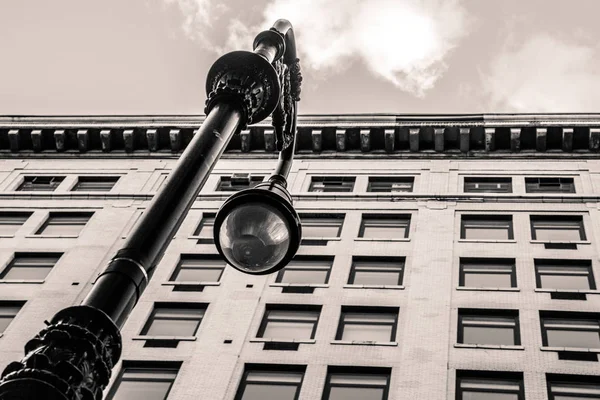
[(72, 358)]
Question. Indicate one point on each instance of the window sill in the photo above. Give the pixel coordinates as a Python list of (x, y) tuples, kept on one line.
[(329, 239), (312, 285), (362, 239), (35, 281), (190, 283), (560, 241), (389, 287), (363, 343), (571, 349), (269, 340), (200, 237), (7, 236), (586, 291), (466, 288), (486, 241), (488, 346), (52, 236), (173, 338)]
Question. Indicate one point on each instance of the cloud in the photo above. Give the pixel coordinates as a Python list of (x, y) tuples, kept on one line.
[(404, 42), (544, 74)]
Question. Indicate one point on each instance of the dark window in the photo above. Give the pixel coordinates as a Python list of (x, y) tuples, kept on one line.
[(350, 383), (174, 319), (384, 226), (95, 183), (496, 327), (573, 387), (289, 322), (144, 382), (549, 185), (30, 266), (368, 324), (487, 273), (486, 227), (331, 184), (489, 385), (376, 271), (8, 311), (488, 185), (238, 182), (64, 223), (198, 268), (564, 274), (557, 228), (390, 184), (321, 225), (281, 382), (570, 329), (10, 222), (40, 183), (306, 271), (204, 229)]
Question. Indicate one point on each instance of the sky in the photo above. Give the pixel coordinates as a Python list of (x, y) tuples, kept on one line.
[(151, 57)]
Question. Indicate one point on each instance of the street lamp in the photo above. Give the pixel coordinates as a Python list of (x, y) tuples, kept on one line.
[(72, 358)]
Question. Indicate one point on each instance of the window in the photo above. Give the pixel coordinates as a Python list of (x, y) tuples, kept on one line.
[(549, 185), (306, 271), (564, 274), (331, 184), (205, 227), (346, 383), (198, 268), (174, 319), (384, 226), (368, 324), (289, 322), (321, 225), (376, 271), (488, 185), (95, 183), (40, 183), (30, 266), (8, 312), (281, 382), (487, 273), (486, 227), (489, 385), (237, 182), (390, 184), (573, 387), (570, 329), (557, 227), (10, 222), (495, 327), (145, 382), (64, 223)]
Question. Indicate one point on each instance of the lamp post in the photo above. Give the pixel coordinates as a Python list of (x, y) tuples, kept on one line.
[(72, 358)]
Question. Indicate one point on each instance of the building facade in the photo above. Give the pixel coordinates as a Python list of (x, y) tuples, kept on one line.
[(443, 257)]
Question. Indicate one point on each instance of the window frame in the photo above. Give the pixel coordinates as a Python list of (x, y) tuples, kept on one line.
[(401, 261), (392, 180), (164, 367), (379, 310), (207, 220), (490, 377), (575, 380), (345, 180), (311, 219), (529, 184), (55, 182), (488, 314), (162, 306), (291, 267), (18, 257), (548, 219), (4, 314), (370, 218), (270, 368), (491, 180), (508, 218), (53, 218), (566, 264), (101, 179), (252, 181), (332, 371), (5, 220), (492, 262), (288, 307), (574, 316), (209, 258)]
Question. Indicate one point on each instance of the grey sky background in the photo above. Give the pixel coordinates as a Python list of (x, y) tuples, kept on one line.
[(358, 56)]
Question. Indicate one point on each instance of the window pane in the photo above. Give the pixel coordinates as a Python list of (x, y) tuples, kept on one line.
[(385, 228), (26, 273), (288, 330), (377, 278), (40, 183), (557, 234), (487, 280), (263, 391), (486, 228), (64, 224), (356, 393), (173, 327), (144, 384), (566, 282), (205, 228), (573, 338), (197, 275), (303, 276), (488, 185), (332, 184), (95, 183), (489, 396), (486, 233), (10, 222), (363, 332), (390, 184), (488, 335)]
